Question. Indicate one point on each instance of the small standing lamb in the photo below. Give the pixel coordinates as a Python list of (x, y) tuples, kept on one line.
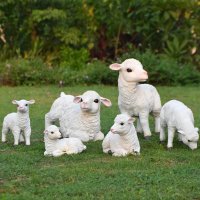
[(122, 138), (18, 123), (177, 116), (79, 118), (54, 146), (137, 100)]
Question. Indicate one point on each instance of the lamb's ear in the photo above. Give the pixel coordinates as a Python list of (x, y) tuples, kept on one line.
[(106, 102), (131, 120), (77, 99), (14, 101), (45, 132), (181, 132), (115, 66), (196, 129), (32, 101)]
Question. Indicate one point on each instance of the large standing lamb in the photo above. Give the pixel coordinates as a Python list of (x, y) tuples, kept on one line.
[(176, 116), (18, 123), (137, 100), (79, 117), (122, 138)]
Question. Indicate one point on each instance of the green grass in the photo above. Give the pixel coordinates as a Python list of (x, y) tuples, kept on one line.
[(156, 174)]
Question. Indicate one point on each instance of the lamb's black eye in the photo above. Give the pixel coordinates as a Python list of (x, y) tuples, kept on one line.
[(26, 104), (51, 132), (189, 141), (96, 100), (129, 70), (81, 100), (121, 123)]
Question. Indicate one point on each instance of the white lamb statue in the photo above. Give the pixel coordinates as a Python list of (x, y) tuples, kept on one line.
[(122, 138), (176, 116), (137, 100), (80, 117), (57, 108), (55, 146), (18, 123)]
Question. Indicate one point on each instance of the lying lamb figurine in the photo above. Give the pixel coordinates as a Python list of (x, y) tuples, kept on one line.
[(54, 146), (122, 138), (18, 123), (177, 116), (80, 118), (137, 100)]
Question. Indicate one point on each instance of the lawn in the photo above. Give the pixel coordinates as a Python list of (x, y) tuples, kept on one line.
[(156, 174)]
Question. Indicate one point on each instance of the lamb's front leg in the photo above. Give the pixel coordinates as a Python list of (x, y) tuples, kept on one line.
[(16, 134), (120, 152), (171, 132), (98, 136), (106, 144), (58, 153), (143, 117), (27, 135), (139, 127)]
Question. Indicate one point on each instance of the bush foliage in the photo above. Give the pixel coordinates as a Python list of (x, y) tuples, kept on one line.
[(48, 41)]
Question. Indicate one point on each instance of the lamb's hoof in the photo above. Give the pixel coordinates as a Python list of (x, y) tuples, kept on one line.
[(147, 137), (110, 152), (162, 142), (5, 141), (169, 148), (136, 153)]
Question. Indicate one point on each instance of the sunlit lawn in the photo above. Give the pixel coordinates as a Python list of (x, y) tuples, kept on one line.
[(156, 174)]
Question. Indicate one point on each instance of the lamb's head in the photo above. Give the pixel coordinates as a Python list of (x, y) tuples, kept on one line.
[(191, 138), (90, 101), (122, 124), (131, 70), (23, 105), (52, 132)]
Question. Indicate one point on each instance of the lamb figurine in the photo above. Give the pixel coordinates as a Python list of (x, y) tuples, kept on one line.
[(18, 123), (137, 100), (54, 146), (176, 116), (57, 108), (80, 117), (122, 138)]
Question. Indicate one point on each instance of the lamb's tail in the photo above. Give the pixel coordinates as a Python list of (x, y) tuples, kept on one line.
[(62, 94), (84, 147)]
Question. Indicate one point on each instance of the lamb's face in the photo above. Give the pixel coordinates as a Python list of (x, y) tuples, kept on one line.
[(53, 132), (191, 139), (122, 124), (131, 70), (23, 105), (90, 101)]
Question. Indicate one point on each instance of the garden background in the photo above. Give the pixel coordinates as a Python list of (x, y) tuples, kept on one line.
[(74, 41), (70, 43)]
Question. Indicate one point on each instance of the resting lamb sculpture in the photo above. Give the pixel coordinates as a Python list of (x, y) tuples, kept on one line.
[(122, 138), (79, 117), (18, 123), (55, 146), (137, 100), (176, 116)]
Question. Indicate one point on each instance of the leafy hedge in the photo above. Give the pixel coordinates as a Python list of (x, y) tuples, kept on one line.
[(162, 71)]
